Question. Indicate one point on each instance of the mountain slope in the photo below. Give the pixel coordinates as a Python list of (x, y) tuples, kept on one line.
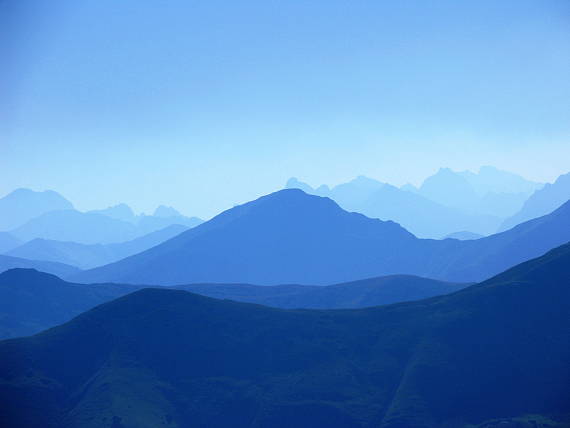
[(60, 269), (291, 237), (164, 358), (541, 202), (87, 256), (32, 301), (22, 205), (285, 237)]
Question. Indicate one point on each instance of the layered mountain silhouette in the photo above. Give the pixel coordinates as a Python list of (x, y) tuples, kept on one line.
[(34, 301), (421, 216), (22, 205), (102, 227), (292, 237), (87, 256), (76, 226), (120, 212), (543, 201), (59, 269), (446, 202), (492, 180), (160, 357), (490, 191), (464, 236)]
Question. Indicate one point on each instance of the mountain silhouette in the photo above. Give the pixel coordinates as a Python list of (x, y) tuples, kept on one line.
[(492, 180), (86, 256), (158, 357), (34, 301), (59, 269), (164, 211), (464, 236), (147, 224), (95, 227), (418, 214), (450, 189), (543, 201), (120, 212), (490, 191), (423, 217), (22, 205), (291, 237), (76, 226)]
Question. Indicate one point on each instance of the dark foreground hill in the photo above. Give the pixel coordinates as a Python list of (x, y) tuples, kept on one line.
[(289, 237), (166, 358), (32, 301)]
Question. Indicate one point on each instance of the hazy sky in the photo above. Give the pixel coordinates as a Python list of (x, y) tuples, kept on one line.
[(203, 104)]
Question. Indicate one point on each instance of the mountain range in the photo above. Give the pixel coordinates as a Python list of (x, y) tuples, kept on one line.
[(86, 256), (541, 202), (29, 215), (292, 237), (59, 269), (494, 354), (22, 205), (445, 203), (32, 301)]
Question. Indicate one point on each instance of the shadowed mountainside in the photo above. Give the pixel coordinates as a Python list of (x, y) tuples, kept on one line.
[(166, 358), (31, 301)]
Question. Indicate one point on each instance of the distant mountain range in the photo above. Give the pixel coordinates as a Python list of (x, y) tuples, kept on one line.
[(30, 215), (32, 301), (158, 357), (59, 269), (542, 202), (292, 237), (86, 256), (22, 205), (418, 214), (464, 236), (447, 202)]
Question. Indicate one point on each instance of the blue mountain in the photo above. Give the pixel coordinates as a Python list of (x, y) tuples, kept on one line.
[(495, 354), (543, 201), (418, 214), (22, 205), (59, 269), (32, 301), (86, 256), (291, 237)]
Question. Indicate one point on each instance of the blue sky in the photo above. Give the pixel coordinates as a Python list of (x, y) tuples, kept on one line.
[(204, 104)]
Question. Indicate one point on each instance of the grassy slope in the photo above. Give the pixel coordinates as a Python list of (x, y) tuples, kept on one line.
[(170, 358)]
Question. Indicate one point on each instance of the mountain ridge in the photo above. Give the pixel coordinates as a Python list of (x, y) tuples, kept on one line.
[(323, 244), (176, 358)]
